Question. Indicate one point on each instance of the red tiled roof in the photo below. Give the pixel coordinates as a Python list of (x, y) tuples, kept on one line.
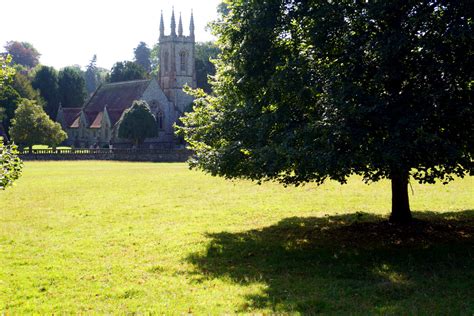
[(97, 122), (76, 123)]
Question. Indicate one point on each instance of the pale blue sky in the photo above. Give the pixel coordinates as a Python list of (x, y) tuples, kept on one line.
[(68, 32)]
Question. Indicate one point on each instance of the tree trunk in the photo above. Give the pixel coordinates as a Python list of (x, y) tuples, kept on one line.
[(401, 213)]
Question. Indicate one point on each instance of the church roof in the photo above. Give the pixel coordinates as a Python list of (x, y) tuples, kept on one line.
[(70, 115), (116, 96)]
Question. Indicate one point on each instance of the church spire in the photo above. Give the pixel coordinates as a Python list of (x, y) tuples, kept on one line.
[(173, 24), (191, 25), (162, 25), (180, 26)]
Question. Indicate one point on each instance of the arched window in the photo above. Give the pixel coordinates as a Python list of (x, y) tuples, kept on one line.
[(182, 59), (160, 120), (167, 59)]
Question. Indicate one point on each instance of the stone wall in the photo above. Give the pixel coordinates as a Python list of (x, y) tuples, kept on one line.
[(151, 155)]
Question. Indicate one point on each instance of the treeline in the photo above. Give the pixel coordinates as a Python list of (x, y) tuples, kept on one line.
[(70, 86)]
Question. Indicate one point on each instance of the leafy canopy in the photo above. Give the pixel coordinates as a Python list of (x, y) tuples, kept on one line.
[(72, 87), (138, 123), (10, 164), (143, 56), (23, 53), (32, 126), (310, 90), (47, 82), (127, 71), (205, 53)]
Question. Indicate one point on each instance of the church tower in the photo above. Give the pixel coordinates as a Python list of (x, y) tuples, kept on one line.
[(177, 62)]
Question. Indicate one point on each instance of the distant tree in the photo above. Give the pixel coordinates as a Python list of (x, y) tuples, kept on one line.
[(103, 75), (138, 123), (23, 53), (91, 76), (155, 59), (72, 87), (22, 84), (31, 126), (313, 90), (126, 71), (9, 100), (46, 81), (205, 52), (6, 72), (142, 56)]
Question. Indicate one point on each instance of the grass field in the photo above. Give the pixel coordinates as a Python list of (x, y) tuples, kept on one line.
[(113, 237)]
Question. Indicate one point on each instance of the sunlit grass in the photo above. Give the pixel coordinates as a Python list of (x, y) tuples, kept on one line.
[(116, 237)]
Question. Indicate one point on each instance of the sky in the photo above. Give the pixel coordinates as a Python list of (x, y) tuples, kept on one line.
[(70, 32)]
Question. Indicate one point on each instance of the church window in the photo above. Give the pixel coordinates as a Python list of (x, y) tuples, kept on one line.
[(182, 57), (159, 119), (167, 59)]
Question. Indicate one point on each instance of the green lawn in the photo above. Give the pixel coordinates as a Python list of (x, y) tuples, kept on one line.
[(114, 237)]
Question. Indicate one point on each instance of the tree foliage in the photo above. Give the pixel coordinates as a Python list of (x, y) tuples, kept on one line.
[(47, 82), (9, 100), (142, 56), (138, 123), (6, 72), (10, 164), (91, 76), (72, 87), (205, 52), (23, 53), (32, 126), (315, 90), (22, 84), (127, 71), (155, 59)]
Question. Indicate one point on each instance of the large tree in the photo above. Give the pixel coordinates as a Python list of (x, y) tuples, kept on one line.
[(142, 56), (127, 71), (72, 87), (315, 90), (138, 123), (23, 53), (32, 126), (47, 82)]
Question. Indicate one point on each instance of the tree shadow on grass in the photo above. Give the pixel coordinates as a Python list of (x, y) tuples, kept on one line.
[(352, 263)]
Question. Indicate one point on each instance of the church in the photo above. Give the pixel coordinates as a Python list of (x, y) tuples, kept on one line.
[(96, 122)]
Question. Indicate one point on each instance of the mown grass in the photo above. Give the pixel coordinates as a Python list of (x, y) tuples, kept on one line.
[(113, 237)]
